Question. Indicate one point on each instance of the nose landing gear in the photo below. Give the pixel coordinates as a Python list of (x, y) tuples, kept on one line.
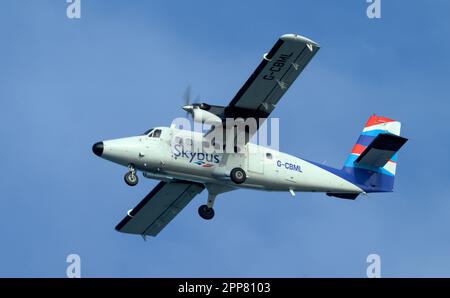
[(238, 175), (131, 178)]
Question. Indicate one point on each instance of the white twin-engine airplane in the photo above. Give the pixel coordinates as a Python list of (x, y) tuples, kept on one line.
[(185, 173)]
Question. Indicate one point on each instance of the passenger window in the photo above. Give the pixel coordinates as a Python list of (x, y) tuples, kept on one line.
[(157, 133), (216, 145), (269, 155), (178, 141)]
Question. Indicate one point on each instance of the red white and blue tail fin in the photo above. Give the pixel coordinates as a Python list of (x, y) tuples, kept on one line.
[(373, 160)]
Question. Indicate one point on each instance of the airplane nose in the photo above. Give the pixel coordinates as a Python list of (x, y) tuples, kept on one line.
[(97, 148)]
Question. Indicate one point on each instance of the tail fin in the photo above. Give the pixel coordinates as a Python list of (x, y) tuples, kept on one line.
[(373, 160)]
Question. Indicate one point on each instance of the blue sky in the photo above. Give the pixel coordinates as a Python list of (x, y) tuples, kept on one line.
[(123, 67)]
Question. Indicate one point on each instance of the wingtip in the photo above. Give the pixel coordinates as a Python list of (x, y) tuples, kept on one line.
[(297, 37)]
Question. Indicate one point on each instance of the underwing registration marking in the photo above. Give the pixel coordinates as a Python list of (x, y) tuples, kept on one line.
[(277, 66)]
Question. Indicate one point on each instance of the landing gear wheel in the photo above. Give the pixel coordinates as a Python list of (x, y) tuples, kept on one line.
[(131, 178), (238, 175), (205, 212)]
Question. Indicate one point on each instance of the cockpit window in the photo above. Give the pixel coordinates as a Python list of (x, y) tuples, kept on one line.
[(157, 133), (148, 131)]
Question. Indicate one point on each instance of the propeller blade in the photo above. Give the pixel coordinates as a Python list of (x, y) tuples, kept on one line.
[(197, 99), (187, 95), (188, 105)]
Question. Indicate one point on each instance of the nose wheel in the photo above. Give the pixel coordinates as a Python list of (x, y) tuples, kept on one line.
[(238, 175), (131, 178)]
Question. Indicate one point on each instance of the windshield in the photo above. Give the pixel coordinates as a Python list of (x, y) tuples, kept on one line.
[(148, 131)]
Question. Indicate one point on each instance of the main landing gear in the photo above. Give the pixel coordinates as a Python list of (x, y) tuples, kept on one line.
[(207, 211), (238, 176), (131, 178)]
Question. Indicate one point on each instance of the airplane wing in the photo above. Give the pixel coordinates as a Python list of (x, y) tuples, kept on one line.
[(273, 77), (159, 207), (279, 68)]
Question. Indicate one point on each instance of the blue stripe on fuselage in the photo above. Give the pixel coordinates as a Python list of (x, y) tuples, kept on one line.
[(367, 180), (350, 163)]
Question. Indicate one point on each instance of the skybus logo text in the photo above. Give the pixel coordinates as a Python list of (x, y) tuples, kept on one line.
[(198, 158)]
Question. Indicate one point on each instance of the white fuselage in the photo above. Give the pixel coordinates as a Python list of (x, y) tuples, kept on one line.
[(266, 169)]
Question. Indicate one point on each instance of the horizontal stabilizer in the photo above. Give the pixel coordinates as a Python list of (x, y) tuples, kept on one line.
[(380, 150)]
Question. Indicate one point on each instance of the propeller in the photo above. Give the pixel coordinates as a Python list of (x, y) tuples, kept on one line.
[(188, 105)]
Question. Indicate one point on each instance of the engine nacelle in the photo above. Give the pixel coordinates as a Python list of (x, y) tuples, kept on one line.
[(203, 116)]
